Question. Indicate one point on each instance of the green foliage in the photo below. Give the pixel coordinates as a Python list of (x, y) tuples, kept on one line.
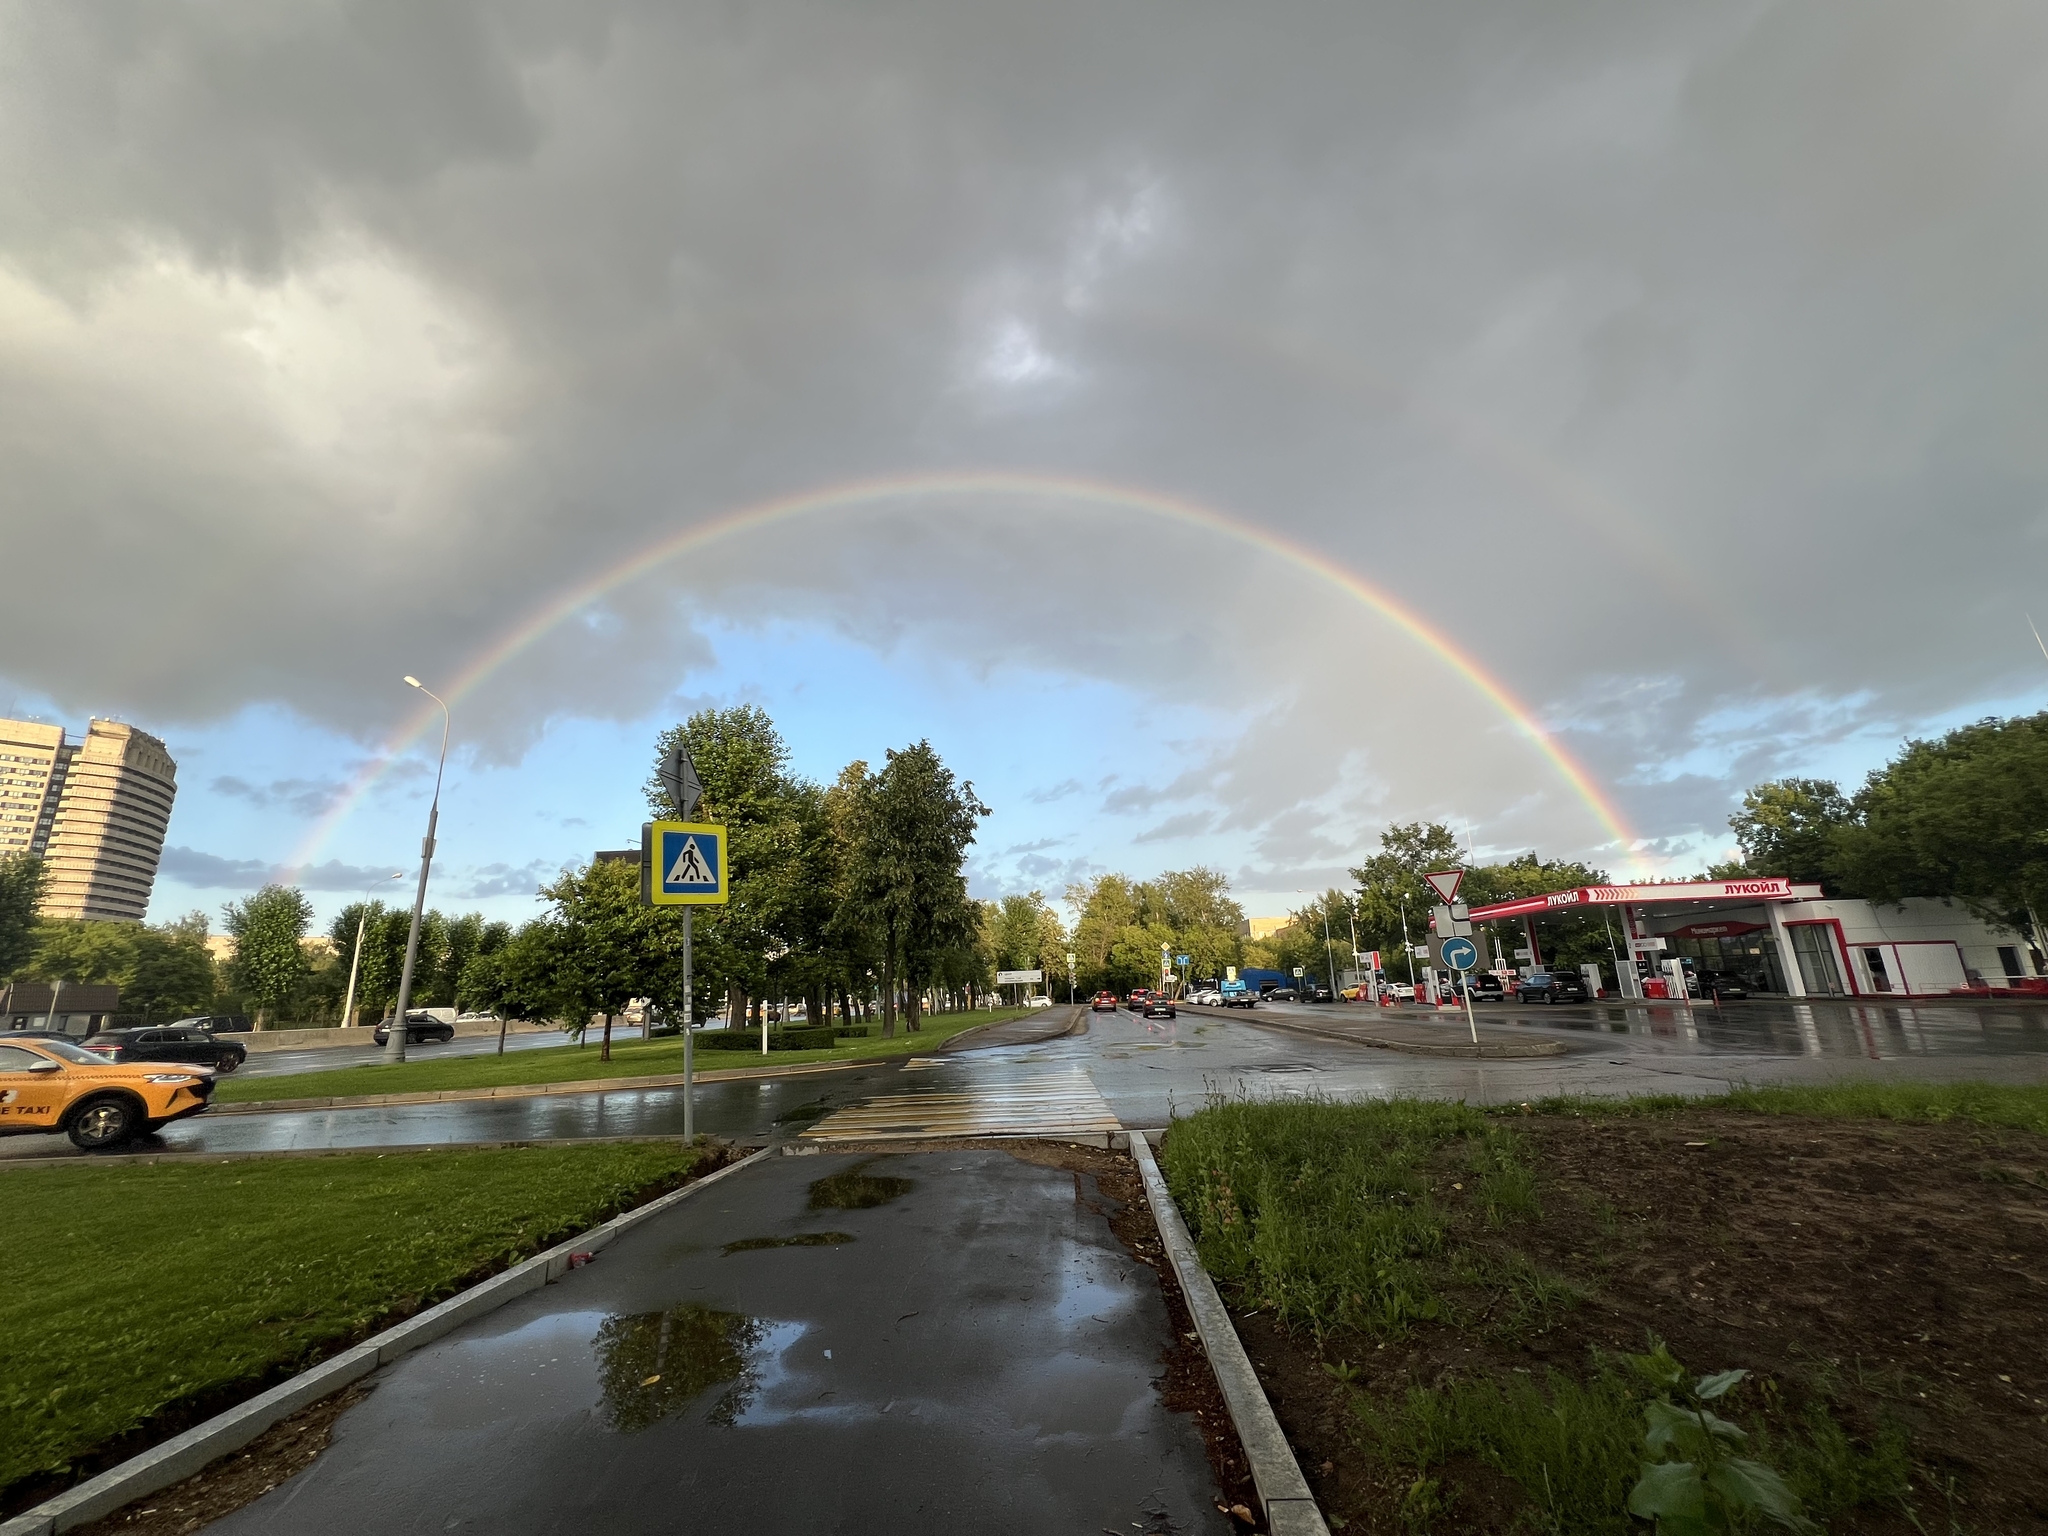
[(269, 959), (1122, 922), (163, 972), (22, 878), (1572, 1448), (115, 1304), (1965, 816), (1787, 827), (1695, 1482), (1325, 1212)]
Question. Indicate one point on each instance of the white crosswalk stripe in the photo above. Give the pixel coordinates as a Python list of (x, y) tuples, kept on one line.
[(1042, 1104)]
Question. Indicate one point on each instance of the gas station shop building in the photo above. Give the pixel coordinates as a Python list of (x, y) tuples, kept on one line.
[(1783, 937)]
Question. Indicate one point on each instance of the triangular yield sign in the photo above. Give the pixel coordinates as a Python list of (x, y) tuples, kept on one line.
[(1445, 883)]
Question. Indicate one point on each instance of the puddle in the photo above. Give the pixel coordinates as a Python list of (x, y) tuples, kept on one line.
[(653, 1364), (800, 1240), (854, 1190), (804, 1114)]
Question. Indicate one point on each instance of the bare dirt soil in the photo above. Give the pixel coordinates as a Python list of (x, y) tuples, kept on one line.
[(1897, 1272)]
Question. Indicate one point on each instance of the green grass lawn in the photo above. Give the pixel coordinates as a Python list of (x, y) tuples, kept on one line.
[(573, 1063), (128, 1290), (2000, 1106)]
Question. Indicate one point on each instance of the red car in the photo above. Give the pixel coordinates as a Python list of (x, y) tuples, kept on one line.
[(1104, 1001)]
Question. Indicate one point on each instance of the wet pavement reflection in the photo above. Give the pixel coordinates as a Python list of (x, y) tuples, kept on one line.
[(980, 1356)]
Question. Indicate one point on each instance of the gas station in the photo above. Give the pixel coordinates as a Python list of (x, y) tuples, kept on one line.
[(1776, 937)]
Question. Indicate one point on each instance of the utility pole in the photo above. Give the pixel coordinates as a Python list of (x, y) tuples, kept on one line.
[(685, 789), (1406, 944)]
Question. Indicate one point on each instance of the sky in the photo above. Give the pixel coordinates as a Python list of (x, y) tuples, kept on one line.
[(1220, 431)]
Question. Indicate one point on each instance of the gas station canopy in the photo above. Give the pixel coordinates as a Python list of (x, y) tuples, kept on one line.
[(1771, 889)]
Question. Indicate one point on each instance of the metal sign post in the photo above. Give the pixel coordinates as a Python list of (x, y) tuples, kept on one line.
[(669, 882), (1462, 955)]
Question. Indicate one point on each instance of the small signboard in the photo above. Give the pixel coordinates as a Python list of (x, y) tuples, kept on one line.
[(679, 777), (1018, 978), (682, 864), (1459, 953)]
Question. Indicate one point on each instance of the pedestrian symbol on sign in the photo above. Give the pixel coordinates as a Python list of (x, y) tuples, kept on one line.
[(689, 866)]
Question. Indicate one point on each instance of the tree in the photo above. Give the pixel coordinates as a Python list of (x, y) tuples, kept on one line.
[(269, 960), (914, 824), (1787, 827), (1963, 817), (22, 877), (172, 973)]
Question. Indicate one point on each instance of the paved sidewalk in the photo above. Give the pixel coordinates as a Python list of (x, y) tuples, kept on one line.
[(974, 1354)]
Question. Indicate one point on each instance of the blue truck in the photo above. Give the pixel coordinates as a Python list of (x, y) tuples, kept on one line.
[(1250, 984)]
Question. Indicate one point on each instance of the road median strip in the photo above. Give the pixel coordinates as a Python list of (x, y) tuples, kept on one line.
[(1395, 1035)]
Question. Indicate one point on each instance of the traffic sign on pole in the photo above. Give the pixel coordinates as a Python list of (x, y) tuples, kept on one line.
[(1459, 953), (679, 777), (682, 864), (1445, 883)]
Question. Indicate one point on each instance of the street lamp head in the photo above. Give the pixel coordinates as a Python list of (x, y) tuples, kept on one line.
[(412, 682)]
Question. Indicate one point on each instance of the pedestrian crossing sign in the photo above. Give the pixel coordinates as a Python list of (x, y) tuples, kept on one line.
[(682, 864)]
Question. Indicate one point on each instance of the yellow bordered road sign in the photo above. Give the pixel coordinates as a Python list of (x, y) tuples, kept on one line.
[(682, 864)]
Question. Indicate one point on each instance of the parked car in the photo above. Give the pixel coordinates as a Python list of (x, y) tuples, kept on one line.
[(1237, 993), (1040, 1001), (1105, 1002), (170, 1042), (485, 1018), (49, 1085), (1208, 997), (1549, 987), (1402, 991), (1279, 995), (1159, 1006), (1486, 987), (1316, 994), (1722, 984), (419, 1029)]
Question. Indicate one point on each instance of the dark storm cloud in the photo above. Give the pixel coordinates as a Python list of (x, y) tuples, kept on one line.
[(1683, 362)]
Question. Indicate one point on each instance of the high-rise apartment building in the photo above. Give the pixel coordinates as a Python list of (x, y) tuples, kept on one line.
[(97, 810)]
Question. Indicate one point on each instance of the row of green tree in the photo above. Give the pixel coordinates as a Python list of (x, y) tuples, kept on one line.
[(851, 897)]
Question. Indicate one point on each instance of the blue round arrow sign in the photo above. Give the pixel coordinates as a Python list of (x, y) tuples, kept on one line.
[(1460, 954)]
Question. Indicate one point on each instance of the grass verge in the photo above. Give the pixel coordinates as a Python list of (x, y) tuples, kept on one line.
[(132, 1294), (1449, 1301), (575, 1064)]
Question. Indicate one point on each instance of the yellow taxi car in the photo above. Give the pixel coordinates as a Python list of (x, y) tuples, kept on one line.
[(52, 1085)]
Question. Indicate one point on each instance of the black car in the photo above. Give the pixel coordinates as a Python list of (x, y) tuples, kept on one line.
[(1158, 1006), (1279, 995), (1554, 987), (1722, 984), (1485, 987), (1318, 995), (419, 1029), (216, 1023), (169, 1042)]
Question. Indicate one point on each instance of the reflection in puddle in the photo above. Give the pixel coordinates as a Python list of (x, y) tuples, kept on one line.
[(653, 1364), (800, 1240), (854, 1190)]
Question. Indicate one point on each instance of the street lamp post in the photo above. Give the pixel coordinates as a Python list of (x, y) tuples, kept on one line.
[(1405, 943), (355, 959), (394, 1043), (1329, 950)]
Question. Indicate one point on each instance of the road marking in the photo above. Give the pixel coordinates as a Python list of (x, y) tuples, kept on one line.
[(1048, 1104), (917, 1063)]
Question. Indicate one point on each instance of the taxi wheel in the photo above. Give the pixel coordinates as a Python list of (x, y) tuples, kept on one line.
[(105, 1122)]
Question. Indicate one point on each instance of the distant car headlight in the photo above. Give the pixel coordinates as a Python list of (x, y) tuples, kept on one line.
[(170, 1077)]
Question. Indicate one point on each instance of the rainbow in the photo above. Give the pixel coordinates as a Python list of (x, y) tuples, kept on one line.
[(994, 484)]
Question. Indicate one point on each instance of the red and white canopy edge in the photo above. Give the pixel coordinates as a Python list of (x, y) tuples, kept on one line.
[(1775, 888)]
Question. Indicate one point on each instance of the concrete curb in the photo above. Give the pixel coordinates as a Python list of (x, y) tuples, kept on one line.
[(539, 1090), (1290, 1508), (1071, 1027), (1495, 1049), (182, 1455), (380, 1149)]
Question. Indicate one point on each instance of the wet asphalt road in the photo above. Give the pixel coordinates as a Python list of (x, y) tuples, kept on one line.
[(1150, 1071), (978, 1357)]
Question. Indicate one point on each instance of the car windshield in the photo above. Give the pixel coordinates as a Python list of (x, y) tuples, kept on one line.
[(65, 1050)]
